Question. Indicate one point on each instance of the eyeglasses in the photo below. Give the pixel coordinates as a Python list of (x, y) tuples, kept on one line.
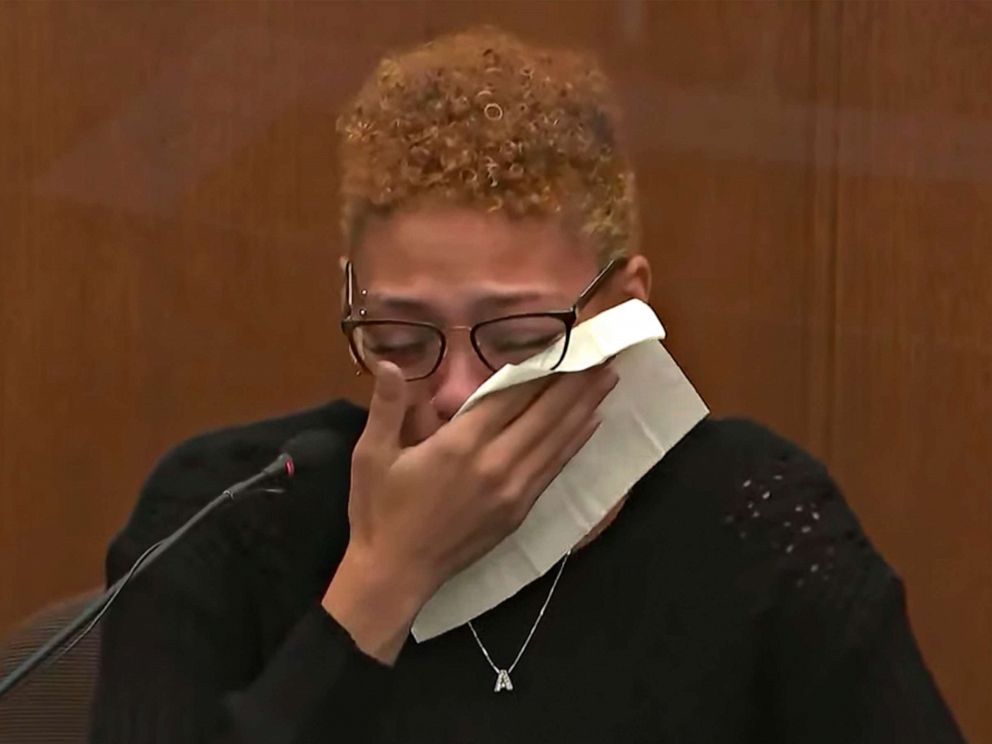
[(417, 348)]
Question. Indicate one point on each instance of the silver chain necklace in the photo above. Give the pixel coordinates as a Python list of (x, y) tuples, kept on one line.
[(503, 681)]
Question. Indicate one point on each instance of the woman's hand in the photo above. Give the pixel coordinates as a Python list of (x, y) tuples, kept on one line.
[(420, 514)]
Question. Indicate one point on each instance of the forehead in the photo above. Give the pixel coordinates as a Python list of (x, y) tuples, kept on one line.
[(462, 247)]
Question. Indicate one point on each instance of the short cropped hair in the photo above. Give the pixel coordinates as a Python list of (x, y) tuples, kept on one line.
[(483, 120)]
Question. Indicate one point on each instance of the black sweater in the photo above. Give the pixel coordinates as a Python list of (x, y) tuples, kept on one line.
[(734, 599)]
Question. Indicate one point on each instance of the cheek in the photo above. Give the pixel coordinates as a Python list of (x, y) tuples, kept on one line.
[(604, 301)]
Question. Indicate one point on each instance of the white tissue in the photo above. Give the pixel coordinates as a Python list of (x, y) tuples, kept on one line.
[(652, 407)]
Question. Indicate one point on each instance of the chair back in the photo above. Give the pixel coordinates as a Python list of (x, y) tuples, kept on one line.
[(53, 704)]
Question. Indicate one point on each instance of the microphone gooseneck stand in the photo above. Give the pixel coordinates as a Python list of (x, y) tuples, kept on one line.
[(86, 620)]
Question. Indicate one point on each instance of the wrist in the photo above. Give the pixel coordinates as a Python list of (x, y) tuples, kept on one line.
[(375, 602)]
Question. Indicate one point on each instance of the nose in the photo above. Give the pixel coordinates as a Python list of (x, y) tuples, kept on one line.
[(460, 374)]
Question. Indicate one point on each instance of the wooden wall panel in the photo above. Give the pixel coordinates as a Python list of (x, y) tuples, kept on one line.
[(815, 180), (912, 376)]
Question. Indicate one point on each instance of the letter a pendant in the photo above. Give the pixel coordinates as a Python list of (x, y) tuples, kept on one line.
[(503, 681)]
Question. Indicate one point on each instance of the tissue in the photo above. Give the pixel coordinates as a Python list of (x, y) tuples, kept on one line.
[(652, 407)]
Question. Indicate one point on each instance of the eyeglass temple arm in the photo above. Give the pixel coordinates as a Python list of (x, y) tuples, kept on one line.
[(599, 280)]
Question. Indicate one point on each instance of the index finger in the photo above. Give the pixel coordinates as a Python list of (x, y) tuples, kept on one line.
[(496, 411)]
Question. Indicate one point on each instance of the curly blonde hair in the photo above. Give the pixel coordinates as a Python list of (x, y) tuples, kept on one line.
[(481, 119)]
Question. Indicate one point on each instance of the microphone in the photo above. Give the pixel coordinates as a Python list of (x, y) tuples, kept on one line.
[(303, 452)]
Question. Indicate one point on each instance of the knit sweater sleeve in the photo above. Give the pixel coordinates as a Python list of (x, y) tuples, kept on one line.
[(181, 661), (841, 661)]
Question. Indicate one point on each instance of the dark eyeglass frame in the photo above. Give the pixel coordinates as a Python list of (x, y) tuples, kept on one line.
[(350, 323)]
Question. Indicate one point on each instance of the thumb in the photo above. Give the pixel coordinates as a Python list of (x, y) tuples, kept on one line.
[(388, 407)]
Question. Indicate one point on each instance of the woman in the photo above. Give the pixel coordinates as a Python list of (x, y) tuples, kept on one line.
[(732, 597)]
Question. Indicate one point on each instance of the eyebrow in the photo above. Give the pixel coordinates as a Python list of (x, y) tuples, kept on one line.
[(486, 303)]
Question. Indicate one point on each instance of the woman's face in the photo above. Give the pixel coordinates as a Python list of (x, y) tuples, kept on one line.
[(457, 267)]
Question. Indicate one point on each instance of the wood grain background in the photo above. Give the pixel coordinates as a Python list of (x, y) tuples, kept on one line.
[(817, 184)]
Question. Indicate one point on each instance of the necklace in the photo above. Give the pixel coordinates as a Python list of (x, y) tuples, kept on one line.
[(503, 681)]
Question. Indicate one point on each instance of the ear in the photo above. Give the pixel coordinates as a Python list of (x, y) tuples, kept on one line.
[(635, 278)]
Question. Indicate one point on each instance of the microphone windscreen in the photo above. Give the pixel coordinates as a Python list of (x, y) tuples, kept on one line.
[(313, 448)]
